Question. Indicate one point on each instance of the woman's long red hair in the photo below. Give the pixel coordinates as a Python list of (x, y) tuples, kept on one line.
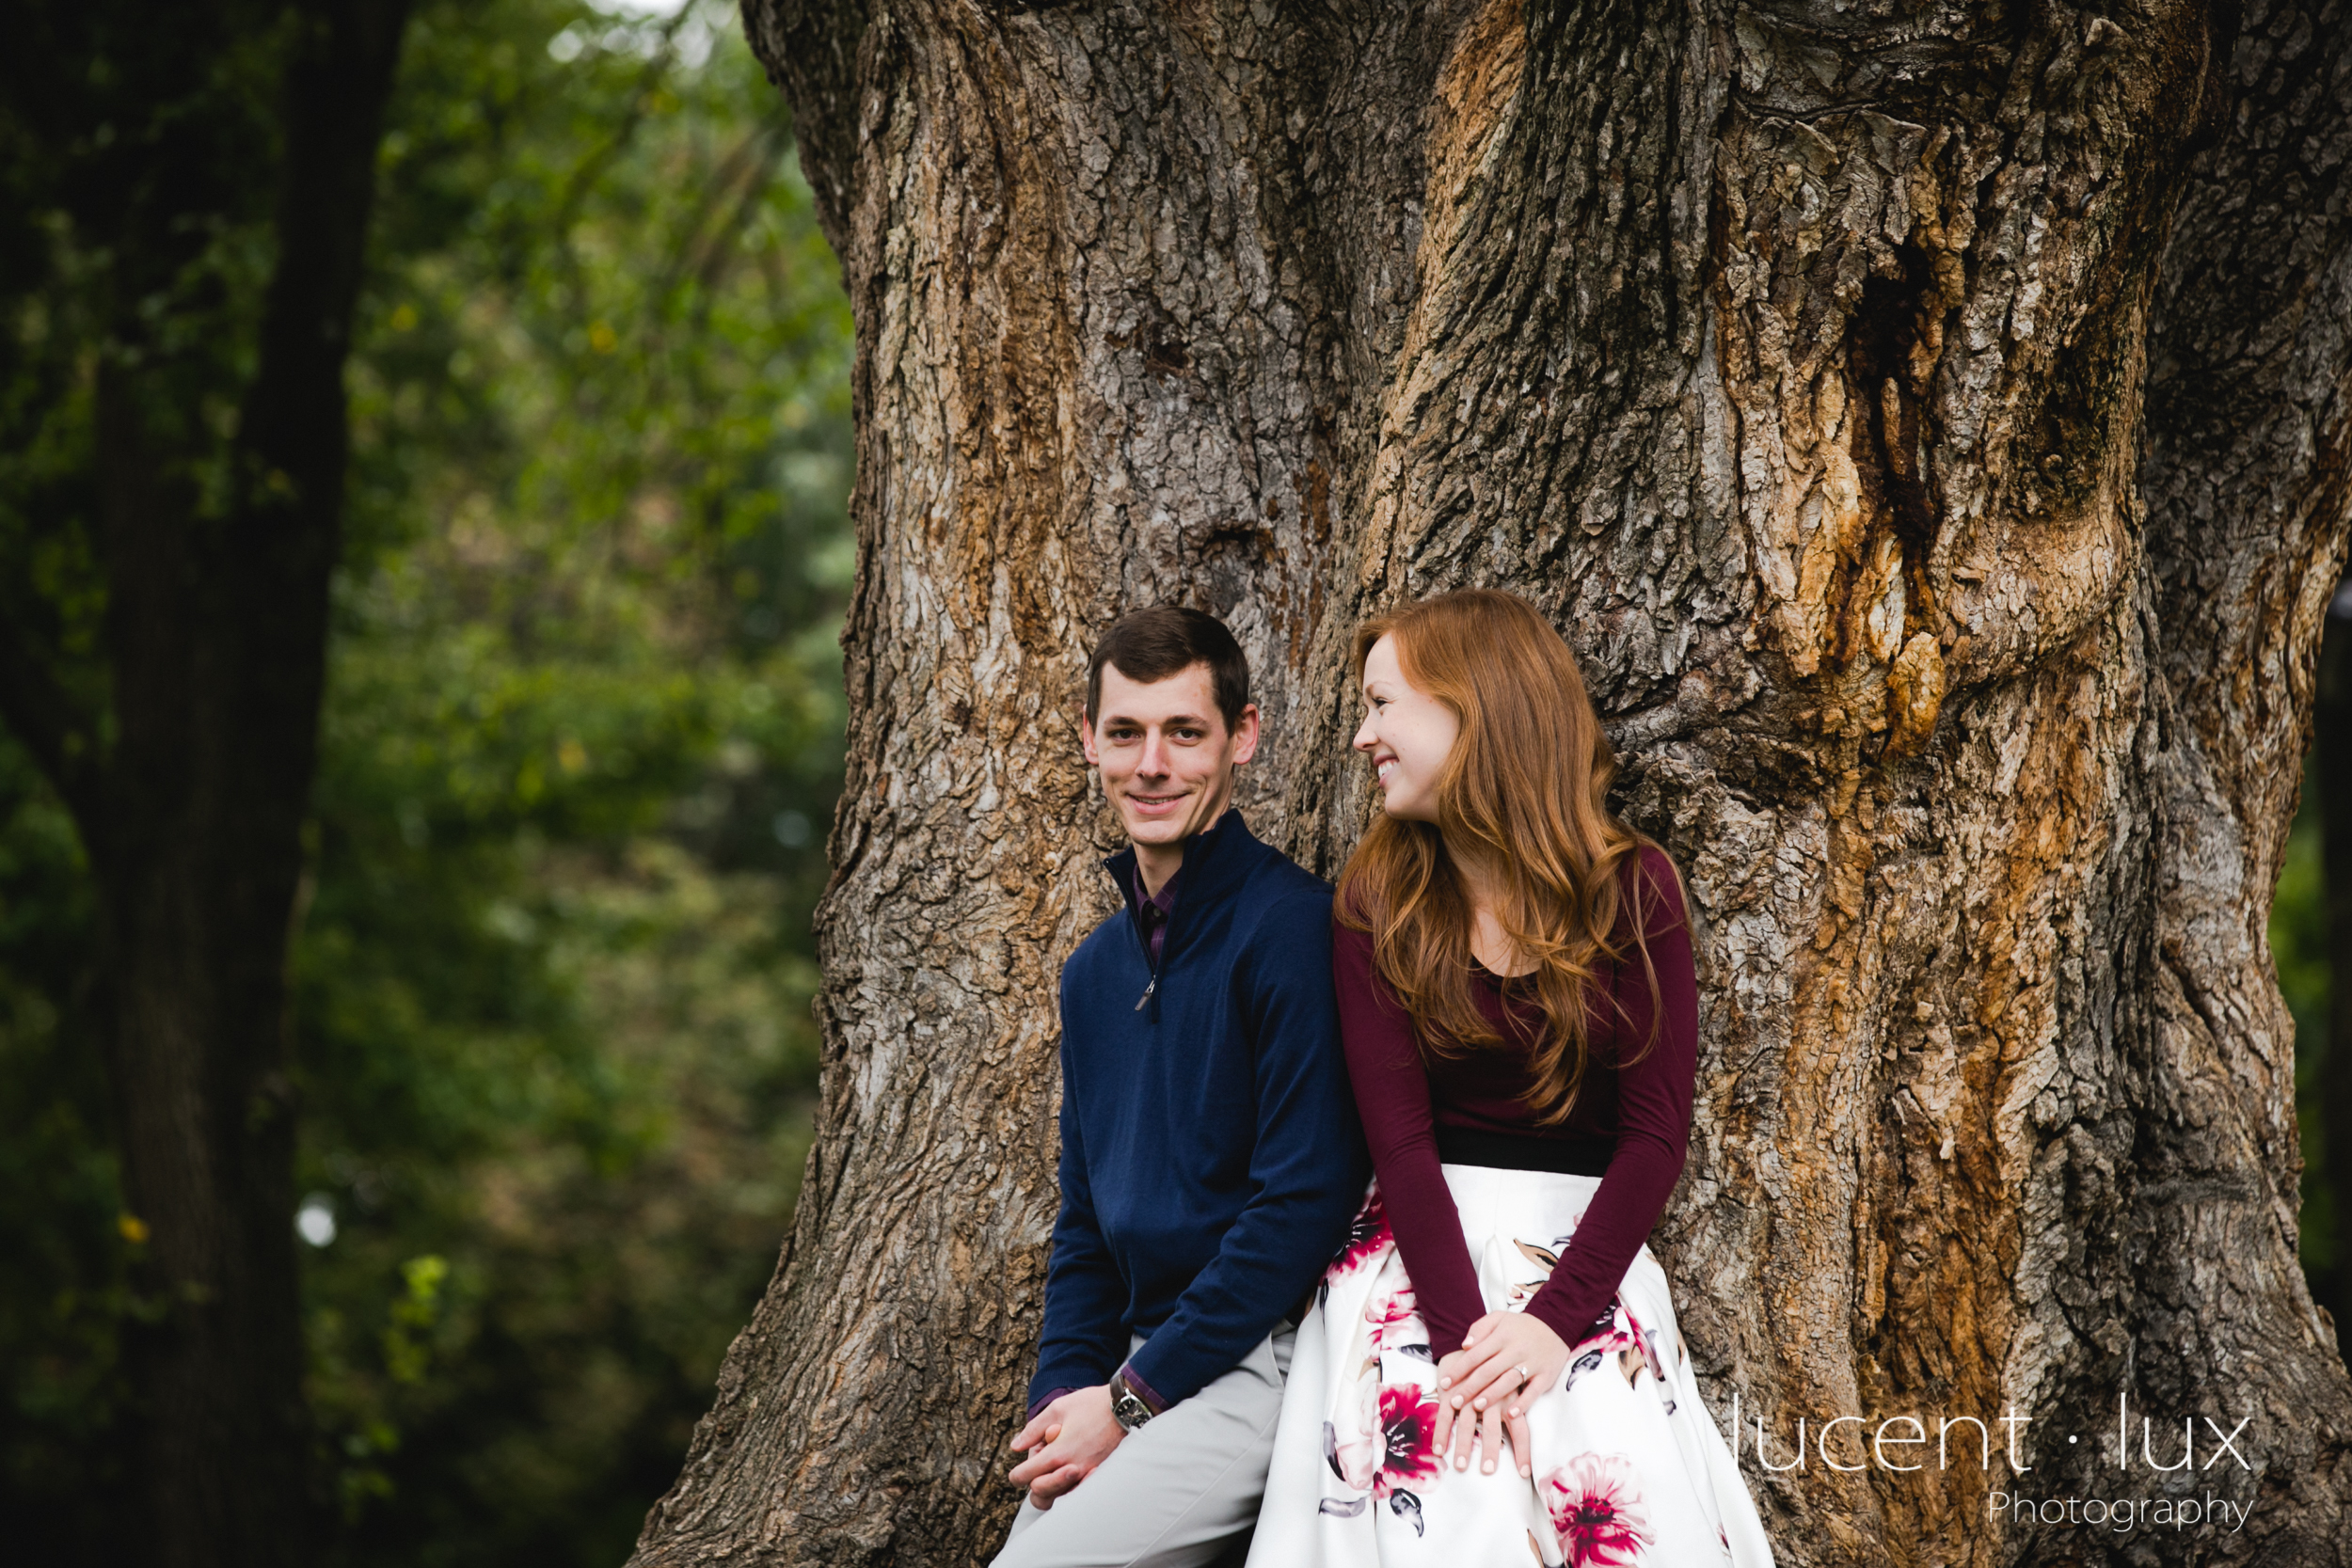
[(1525, 792)]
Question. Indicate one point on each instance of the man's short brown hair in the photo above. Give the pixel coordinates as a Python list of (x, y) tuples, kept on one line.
[(1151, 644)]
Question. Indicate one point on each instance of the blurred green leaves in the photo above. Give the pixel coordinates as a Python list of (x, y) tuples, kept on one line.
[(2298, 946), (555, 977), (581, 738), (406, 1349)]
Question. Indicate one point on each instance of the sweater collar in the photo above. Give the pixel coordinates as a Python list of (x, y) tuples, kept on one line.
[(1215, 860)]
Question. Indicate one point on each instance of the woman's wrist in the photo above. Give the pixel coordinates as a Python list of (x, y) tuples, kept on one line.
[(1571, 1323)]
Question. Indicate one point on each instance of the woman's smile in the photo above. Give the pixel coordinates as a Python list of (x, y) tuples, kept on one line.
[(1407, 734)]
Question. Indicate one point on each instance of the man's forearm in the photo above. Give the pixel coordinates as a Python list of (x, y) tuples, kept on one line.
[(1261, 1263), (1085, 1332), (1041, 1400)]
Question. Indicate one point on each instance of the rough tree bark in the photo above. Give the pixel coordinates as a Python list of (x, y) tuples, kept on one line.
[(189, 770), (1947, 558)]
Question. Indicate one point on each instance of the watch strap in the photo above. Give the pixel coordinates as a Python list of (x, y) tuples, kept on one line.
[(1131, 1400)]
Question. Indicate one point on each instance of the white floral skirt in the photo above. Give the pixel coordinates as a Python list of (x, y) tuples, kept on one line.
[(1629, 1468)]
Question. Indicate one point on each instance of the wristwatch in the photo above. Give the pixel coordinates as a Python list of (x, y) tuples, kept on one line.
[(1127, 1406)]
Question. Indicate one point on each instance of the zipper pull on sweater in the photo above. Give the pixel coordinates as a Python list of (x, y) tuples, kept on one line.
[(1152, 985)]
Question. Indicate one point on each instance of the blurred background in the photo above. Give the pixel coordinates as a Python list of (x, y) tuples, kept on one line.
[(582, 742)]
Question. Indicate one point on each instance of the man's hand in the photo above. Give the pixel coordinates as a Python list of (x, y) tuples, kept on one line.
[(1507, 1360), (1065, 1441)]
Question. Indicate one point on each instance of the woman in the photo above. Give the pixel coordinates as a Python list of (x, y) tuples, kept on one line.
[(1493, 1368)]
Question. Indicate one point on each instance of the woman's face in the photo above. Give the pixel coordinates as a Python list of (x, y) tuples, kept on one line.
[(1406, 733)]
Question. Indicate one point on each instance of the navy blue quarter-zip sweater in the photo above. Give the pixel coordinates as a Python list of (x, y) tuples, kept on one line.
[(1210, 1158)]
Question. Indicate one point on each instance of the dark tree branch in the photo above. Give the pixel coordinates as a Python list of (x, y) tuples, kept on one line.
[(293, 423), (590, 168), (216, 638), (739, 182)]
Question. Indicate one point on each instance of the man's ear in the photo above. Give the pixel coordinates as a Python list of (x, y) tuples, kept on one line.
[(1245, 734), (1085, 739)]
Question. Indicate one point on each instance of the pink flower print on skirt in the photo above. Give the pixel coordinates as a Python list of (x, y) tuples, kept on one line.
[(1629, 1469), (1394, 1450), (1596, 1508), (1394, 1319), (1368, 1238)]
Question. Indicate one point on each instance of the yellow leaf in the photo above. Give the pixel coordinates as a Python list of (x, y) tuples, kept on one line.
[(133, 1228)]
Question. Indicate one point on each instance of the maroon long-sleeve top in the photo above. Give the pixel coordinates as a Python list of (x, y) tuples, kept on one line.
[(1404, 1095)]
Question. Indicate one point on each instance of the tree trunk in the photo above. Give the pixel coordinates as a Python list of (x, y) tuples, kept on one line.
[(191, 790), (1794, 358)]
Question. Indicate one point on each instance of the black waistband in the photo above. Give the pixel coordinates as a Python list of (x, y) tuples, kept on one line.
[(1571, 1154)]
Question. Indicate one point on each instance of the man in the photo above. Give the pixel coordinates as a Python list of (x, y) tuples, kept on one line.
[(1210, 1158)]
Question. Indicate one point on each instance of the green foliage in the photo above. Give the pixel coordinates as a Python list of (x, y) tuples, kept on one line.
[(65, 1291), (2298, 946), (139, 156), (583, 728), (555, 980)]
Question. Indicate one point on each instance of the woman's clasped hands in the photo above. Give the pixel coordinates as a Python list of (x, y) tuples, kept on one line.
[(1506, 1361)]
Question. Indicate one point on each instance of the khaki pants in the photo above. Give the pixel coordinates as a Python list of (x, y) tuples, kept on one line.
[(1178, 1490)]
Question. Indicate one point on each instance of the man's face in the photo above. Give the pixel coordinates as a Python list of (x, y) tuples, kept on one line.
[(1167, 756)]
